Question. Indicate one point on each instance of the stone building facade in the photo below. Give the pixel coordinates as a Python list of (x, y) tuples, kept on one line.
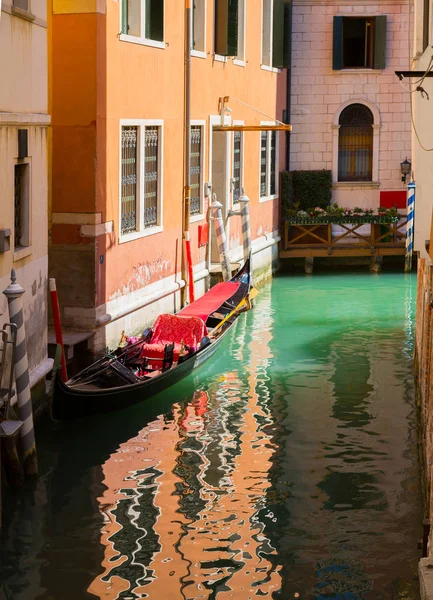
[(350, 114), (24, 122)]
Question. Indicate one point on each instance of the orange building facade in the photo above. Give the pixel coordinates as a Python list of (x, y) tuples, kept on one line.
[(118, 105)]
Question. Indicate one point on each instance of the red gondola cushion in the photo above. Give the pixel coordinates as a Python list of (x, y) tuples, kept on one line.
[(177, 329)]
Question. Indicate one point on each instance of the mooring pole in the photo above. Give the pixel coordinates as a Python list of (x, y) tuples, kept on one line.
[(245, 220), (14, 294), (221, 237), (186, 205), (410, 226)]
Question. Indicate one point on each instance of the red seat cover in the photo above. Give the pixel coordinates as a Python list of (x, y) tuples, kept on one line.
[(178, 329)]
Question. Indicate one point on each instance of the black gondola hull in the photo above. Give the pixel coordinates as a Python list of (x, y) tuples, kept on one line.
[(72, 402)]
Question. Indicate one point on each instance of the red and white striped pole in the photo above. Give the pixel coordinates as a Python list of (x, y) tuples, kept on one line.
[(58, 326)]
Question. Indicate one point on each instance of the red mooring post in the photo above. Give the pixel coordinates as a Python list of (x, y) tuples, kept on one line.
[(190, 269), (58, 326)]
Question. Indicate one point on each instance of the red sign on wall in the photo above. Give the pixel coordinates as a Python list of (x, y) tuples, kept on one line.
[(203, 234), (393, 198)]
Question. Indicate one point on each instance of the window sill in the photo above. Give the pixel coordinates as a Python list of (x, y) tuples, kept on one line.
[(136, 235), (270, 69), (220, 58), (268, 198), (358, 71), (355, 185), (196, 218), (24, 14), (198, 54), (21, 253), (141, 41), (240, 63)]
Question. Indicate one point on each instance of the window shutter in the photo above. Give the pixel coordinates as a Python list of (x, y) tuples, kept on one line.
[(379, 42), (337, 49), (125, 16), (226, 27), (154, 19), (278, 34), (287, 34)]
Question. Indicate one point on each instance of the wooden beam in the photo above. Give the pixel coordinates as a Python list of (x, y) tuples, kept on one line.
[(252, 128), (418, 74)]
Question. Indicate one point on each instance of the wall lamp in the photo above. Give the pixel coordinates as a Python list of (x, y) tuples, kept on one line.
[(405, 168)]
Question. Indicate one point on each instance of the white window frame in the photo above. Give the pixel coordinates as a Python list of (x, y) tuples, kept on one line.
[(264, 66), (194, 52), (200, 216), (141, 230), (140, 39), (268, 163), (242, 186), (240, 59), (23, 251)]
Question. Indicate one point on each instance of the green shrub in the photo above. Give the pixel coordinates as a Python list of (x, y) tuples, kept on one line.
[(312, 188), (287, 204)]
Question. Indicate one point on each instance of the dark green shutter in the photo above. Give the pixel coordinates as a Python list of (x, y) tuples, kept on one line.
[(226, 27), (379, 42), (278, 34), (124, 16), (287, 34), (337, 48), (154, 20)]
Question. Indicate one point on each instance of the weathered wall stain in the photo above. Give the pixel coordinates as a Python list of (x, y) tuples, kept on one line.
[(143, 274)]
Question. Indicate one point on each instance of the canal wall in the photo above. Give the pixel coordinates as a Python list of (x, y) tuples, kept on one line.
[(423, 369)]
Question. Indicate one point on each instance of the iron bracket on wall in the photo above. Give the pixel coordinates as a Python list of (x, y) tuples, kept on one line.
[(419, 74)]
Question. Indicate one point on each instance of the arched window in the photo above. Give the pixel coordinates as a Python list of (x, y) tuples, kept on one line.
[(355, 144)]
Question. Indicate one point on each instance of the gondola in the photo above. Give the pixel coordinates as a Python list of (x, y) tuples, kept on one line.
[(160, 357)]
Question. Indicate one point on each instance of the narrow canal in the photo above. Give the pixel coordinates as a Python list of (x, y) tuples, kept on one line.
[(285, 469)]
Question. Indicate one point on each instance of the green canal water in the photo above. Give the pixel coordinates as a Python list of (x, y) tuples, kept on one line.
[(285, 469)]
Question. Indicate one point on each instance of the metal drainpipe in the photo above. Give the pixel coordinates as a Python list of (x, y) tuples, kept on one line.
[(289, 86), (187, 158)]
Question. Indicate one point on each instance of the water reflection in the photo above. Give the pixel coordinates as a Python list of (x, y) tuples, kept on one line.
[(190, 525), (287, 469)]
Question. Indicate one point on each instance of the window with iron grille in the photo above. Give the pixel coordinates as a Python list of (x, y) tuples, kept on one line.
[(263, 164), (140, 179), (128, 199), (151, 168), (22, 206), (268, 164), (195, 170), (355, 144), (237, 166), (143, 19)]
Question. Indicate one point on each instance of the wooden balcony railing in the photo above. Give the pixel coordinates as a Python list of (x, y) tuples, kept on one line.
[(323, 239)]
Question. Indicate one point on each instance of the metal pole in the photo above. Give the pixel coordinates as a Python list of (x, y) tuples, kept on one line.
[(410, 226), (14, 294), (246, 232), (58, 325), (221, 237), (187, 159)]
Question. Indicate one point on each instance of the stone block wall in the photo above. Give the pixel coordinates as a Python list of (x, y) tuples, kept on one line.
[(319, 93)]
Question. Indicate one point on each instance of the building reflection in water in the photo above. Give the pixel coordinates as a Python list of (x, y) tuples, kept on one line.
[(184, 505)]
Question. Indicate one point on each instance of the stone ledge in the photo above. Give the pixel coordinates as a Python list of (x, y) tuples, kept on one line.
[(425, 573)]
